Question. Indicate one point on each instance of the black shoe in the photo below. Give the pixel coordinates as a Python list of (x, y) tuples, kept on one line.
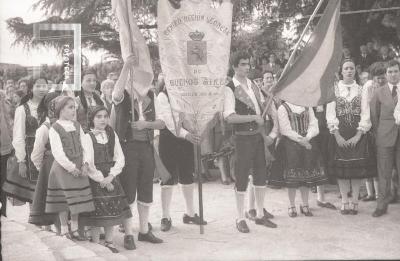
[(345, 209), (369, 198), (242, 226), (129, 242), (305, 210), (166, 224), (150, 227), (111, 246), (325, 205), (292, 212), (267, 214), (379, 212), (265, 222), (193, 220), (149, 237), (354, 210), (251, 214)]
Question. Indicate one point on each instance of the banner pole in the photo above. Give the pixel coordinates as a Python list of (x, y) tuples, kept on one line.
[(291, 58), (197, 166)]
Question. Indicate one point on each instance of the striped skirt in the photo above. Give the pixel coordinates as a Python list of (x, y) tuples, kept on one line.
[(68, 193), (15, 186), (37, 213)]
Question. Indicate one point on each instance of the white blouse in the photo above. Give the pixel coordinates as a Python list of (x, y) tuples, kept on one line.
[(19, 129), (119, 158), (57, 148), (39, 147), (286, 129), (349, 91)]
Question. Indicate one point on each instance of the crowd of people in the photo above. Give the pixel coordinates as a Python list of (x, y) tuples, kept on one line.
[(81, 160)]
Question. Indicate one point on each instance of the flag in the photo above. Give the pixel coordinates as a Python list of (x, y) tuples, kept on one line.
[(194, 44), (132, 42), (309, 81)]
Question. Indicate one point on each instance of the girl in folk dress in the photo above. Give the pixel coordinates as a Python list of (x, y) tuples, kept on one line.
[(43, 159), (68, 186), (352, 156), (302, 158), (28, 117), (106, 161)]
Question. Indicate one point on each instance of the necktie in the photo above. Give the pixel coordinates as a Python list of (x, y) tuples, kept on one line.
[(394, 91)]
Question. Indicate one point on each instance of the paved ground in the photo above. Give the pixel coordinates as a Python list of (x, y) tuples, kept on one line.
[(327, 235)]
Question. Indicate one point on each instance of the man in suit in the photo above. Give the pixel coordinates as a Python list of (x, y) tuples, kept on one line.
[(387, 134), (364, 59)]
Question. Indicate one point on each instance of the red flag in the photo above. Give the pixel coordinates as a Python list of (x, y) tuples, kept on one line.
[(309, 81)]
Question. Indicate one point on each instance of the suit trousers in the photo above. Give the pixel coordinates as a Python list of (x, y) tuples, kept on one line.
[(388, 159)]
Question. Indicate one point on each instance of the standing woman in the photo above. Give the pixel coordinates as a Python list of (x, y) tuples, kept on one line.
[(87, 98), (28, 117), (351, 156), (42, 158), (5, 144), (301, 156)]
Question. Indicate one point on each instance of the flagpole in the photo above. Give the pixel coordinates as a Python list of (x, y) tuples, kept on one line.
[(292, 56), (197, 167)]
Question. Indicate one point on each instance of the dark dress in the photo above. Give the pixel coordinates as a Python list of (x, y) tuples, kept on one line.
[(16, 186), (37, 213), (302, 167), (351, 163), (111, 207)]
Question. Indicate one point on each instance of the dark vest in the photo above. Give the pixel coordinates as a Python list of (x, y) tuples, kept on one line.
[(104, 153), (71, 142), (242, 109), (123, 118)]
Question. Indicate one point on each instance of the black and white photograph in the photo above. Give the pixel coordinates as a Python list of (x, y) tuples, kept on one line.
[(196, 130)]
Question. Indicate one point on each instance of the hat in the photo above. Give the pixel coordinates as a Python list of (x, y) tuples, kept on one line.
[(93, 111), (60, 103)]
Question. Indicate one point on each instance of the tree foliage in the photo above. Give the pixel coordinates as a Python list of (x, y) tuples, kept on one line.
[(259, 25)]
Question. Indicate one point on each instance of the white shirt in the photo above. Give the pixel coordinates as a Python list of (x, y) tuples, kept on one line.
[(19, 129), (39, 147), (286, 129), (164, 113), (57, 148), (343, 91), (119, 158)]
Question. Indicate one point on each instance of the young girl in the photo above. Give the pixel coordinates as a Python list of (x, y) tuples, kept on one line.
[(68, 187), (302, 159), (352, 157), (43, 159), (106, 161), (28, 116)]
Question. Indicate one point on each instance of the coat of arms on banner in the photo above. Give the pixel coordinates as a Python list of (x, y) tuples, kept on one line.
[(196, 49)]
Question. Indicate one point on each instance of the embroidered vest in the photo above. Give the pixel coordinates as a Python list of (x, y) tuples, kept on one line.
[(298, 121)]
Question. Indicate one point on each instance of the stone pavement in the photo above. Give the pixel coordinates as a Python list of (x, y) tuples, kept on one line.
[(327, 235)]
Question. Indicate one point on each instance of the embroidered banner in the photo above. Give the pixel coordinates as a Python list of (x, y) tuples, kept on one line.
[(194, 42)]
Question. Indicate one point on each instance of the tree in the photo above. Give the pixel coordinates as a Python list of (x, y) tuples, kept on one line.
[(257, 24)]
